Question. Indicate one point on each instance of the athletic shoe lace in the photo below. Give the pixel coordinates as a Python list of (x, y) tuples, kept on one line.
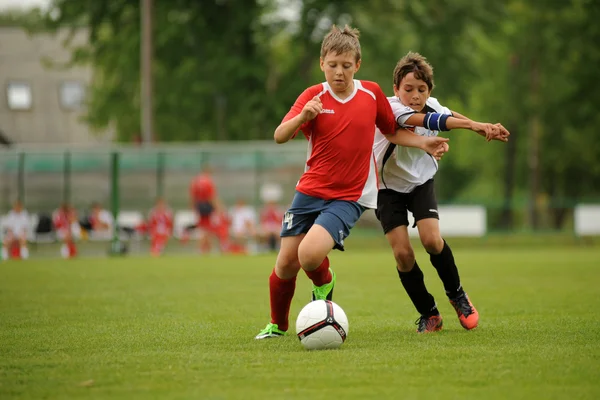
[(421, 323), (463, 305)]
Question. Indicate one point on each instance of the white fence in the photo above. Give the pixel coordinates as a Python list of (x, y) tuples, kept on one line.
[(457, 220), (587, 220)]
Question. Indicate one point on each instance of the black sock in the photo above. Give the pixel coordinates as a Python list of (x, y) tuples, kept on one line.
[(414, 285), (446, 269)]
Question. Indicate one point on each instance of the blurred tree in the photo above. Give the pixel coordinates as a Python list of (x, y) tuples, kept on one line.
[(208, 66)]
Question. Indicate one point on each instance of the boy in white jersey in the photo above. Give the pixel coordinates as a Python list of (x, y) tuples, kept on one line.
[(406, 184), (16, 224)]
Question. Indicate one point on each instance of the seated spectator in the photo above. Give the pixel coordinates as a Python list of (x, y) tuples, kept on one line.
[(160, 226), (271, 217), (16, 227), (67, 229), (99, 223), (243, 226)]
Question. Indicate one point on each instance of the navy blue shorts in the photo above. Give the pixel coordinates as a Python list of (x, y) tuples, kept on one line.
[(336, 216)]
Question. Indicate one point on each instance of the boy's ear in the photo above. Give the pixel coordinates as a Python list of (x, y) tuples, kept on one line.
[(321, 64), (357, 66)]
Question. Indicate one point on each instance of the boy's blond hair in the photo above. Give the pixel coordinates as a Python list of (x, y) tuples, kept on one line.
[(341, 41), (417, 64)]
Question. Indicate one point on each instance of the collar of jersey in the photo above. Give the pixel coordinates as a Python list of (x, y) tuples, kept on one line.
[(347, 99)]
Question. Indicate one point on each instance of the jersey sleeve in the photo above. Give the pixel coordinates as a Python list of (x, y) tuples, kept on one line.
[(296, 109), (401, 112), (385, 120), (432, 102)]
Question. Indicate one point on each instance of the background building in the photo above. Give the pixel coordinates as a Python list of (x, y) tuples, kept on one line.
[(43, 100)]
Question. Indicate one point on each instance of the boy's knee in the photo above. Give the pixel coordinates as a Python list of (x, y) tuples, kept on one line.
[(309, 260), (433, 244), (405, 258), (287, 267)]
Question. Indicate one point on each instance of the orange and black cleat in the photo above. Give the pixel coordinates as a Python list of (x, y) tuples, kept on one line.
[(429, 324), (467, 314)]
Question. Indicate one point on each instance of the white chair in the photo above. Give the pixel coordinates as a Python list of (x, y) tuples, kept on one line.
[(128, 221), (183, 219)]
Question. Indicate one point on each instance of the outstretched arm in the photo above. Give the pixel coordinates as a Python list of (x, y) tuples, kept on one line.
[(445, 122), (429, 144)]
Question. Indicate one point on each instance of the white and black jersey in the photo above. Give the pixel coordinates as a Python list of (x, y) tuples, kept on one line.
[(404, 168)]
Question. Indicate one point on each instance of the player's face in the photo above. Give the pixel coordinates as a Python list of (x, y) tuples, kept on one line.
[(339, 71), (412, 92)]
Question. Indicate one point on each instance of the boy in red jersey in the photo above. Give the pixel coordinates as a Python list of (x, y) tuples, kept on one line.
[(160, 226), (338, 117)]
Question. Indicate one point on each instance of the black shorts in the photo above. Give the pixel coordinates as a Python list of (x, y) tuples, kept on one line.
[(392, 207), (204, 208)]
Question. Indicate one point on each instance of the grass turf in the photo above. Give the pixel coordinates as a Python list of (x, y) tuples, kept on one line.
[(182, 327)]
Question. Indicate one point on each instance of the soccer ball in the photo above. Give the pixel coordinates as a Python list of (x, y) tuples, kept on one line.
[(322, 324)]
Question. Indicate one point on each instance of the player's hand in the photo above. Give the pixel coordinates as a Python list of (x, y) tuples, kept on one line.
[(311, 109), (441, 150), (501, 133), (489, 131), (434, 146)]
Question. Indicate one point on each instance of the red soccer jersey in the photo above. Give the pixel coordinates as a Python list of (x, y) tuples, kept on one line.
[(340, 162), (61, 220), (160, 221), (202, 188)]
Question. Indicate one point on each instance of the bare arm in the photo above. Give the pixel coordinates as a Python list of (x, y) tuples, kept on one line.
[(451, 123), (429, 144), (286, 130), (459, 121)]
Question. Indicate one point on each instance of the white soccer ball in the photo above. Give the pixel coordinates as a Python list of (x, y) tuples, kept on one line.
[(322, 324)]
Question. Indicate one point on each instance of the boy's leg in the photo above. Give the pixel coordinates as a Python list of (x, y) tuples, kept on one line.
[(424, 207), (24, 251), (413, 281), (4, 251), (331, 228), (282, 282), (393, 214), (440, 255)]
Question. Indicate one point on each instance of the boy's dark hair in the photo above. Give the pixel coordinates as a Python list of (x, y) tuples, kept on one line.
[(417, 64), (341, 41)]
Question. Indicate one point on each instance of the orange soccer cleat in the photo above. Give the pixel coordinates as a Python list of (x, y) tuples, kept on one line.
[(467, 314)]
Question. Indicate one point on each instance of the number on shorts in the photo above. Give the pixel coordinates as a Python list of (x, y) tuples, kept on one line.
[(289, 220)]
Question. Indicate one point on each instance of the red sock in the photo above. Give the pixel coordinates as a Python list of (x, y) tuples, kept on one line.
[(282, 292), (321, 275), (72, 249)]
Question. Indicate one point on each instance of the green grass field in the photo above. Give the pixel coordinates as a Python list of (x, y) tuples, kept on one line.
[(182, 327)]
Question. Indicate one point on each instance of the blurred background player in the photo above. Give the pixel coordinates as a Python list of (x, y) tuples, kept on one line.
[(271, 216), (203, 199), (243, 227), (100, 222), (160, 226), (16, 224), (67, 229)]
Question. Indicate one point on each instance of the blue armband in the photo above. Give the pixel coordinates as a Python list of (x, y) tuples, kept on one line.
[(436, 121)]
